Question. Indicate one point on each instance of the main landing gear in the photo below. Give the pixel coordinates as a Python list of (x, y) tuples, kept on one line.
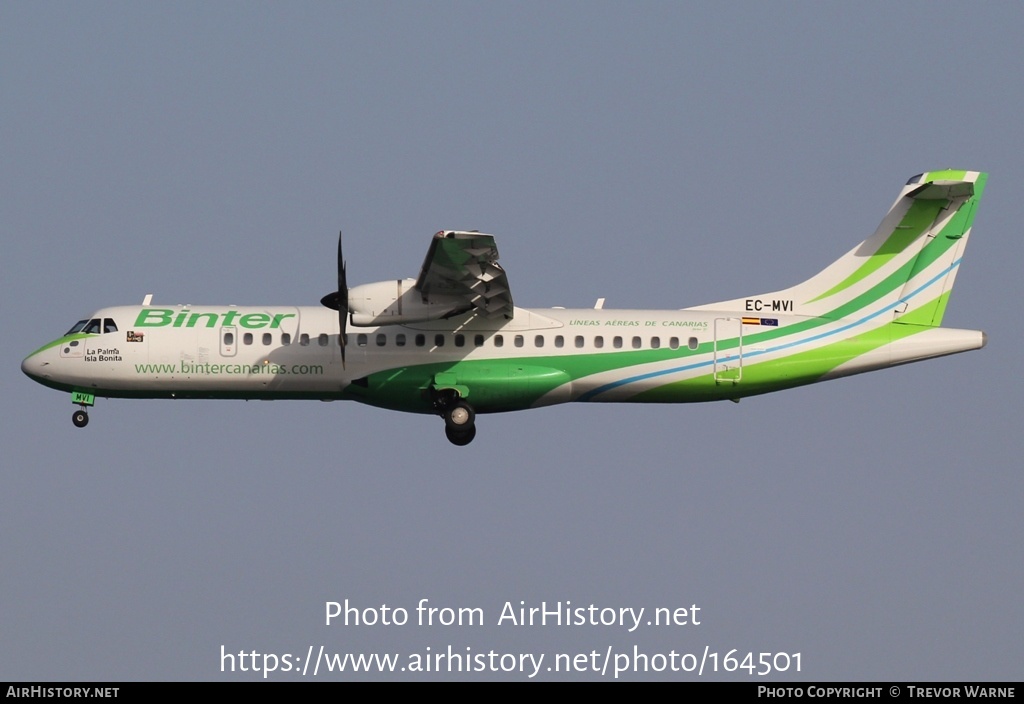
[(459, 420)]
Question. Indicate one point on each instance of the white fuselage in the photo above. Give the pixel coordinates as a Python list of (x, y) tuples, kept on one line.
[(559, 354)]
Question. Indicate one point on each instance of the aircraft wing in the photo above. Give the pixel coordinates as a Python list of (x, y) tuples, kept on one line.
[(465, 265)]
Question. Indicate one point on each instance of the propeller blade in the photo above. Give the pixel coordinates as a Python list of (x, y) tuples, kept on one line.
[(342, 301), (338, 300)]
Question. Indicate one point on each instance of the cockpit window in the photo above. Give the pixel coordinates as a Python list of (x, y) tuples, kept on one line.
[(77, 327), (94, 325)]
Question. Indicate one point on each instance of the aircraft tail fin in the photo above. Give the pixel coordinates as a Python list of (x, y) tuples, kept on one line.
[(908, 264)]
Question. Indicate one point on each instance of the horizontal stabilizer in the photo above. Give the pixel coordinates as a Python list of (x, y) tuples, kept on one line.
[(942, 190)]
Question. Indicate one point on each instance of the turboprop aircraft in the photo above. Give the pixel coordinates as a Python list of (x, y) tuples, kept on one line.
[(450, 342)]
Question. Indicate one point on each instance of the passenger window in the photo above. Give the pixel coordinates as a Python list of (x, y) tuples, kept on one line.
[(518, 341), (673, 343), (382, 339), (322, 340), (460, 340), (229, 338), (617, 342), (421, 340), (655, 343), (267, 338), (478, 340), (499, 340), (579, 341), (693, 343), (108, 325), (286, 339), (304, 339), (361, 339), (247, 338), (636, 343), (599, 342), (559, 341), (439, 340), (538, 341), (400, 340)]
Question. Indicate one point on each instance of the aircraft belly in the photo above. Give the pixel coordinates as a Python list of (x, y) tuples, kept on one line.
[(490, 386)]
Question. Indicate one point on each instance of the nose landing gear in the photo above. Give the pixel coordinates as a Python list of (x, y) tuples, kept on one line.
[(83, 399)]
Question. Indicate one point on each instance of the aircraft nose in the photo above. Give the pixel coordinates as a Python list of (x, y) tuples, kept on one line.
[(35, 366)]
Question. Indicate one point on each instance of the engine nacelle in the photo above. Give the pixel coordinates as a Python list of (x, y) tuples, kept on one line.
[(393, 302)]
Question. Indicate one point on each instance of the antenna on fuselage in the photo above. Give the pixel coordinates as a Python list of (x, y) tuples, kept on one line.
[(148, 299)]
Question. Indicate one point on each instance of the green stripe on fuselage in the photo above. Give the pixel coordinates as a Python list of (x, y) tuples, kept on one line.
[(499, 384), (64, 340), (774, 375)]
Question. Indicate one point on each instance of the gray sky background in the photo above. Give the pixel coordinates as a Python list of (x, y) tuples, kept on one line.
[(656, 154)]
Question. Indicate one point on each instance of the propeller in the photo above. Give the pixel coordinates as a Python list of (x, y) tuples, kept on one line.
[(338, 300)]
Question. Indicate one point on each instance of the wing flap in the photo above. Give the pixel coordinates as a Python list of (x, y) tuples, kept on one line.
[(465, 264)]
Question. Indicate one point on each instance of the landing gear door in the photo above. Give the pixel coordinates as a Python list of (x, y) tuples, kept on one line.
[(228, 341), (728, 350)]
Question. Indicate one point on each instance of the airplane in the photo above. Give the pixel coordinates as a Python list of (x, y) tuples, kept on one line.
[(450, 342)]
